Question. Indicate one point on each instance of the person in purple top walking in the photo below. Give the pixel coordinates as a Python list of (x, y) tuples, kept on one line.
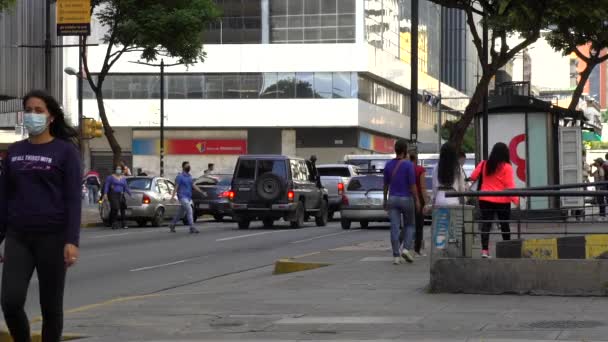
[(114, 191), (401, 201), (40, 203)]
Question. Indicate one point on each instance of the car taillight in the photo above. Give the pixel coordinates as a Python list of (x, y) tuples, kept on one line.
[(225, 194), (231, 195), (146, 200), (340, 188), (291, 195), (344, 200)]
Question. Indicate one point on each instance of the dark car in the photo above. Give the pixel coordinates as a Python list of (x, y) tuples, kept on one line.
[(216, 200), (271, 187)]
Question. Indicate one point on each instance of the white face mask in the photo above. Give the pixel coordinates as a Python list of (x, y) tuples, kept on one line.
[(35, 123)]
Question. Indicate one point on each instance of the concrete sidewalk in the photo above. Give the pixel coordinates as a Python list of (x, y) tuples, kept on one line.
[(361, 296)]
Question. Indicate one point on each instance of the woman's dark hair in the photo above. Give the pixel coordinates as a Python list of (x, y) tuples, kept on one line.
[(59, 128), (499, 155), (448, 165)]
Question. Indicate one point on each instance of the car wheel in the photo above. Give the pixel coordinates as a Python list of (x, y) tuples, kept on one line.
[(345, 224), (268, 222), (244, 223), (142, 223), (364, 224), (298, 222), (322, 217), (159, 217), (218, 217)]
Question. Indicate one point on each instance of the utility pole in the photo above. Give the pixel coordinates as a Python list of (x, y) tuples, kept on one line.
[(162, 66), (48, 50), (414, 72), (486, 148)]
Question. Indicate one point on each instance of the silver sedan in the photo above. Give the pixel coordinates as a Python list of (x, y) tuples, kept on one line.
[(151, 201), (362, 201)]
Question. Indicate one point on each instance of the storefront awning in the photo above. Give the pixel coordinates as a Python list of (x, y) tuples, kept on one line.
[(591, 136)]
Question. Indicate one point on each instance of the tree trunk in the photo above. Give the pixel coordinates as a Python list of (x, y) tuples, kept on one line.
[(474, 107), (108, 131), (578, 91)]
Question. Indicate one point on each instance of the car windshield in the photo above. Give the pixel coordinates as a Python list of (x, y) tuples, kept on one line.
[(334, 171), (276, 167), (139, 183), (366, 183)]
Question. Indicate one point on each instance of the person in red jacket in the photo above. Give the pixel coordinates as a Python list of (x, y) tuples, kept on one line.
[(496, 175)]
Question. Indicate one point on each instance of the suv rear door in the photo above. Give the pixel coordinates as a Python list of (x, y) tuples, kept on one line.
[(250, 170)]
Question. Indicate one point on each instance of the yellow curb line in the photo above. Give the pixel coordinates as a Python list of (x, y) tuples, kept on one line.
[(284, 266)]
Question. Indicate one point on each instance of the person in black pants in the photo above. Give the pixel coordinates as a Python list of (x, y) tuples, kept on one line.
[(114, 190), (421, 187), (40, 203)]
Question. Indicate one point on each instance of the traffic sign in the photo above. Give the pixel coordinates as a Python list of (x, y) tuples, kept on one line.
[(73, 17)]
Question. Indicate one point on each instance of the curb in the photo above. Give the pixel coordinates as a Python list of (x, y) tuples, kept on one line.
[(36, 337), (284, 266), (569, 247)]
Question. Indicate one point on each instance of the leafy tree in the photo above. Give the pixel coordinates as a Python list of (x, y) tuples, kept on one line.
[(578, 26), (4, 4), (504, 18), (469, 140), (154, 28)]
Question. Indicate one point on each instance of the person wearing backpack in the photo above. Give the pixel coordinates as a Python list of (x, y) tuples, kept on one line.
[(93, 185), (401, 201)]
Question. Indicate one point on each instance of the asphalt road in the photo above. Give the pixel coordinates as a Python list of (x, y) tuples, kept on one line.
[(141, 261)]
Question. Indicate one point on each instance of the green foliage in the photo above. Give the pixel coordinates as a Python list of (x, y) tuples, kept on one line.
[(597, 145), (158, 27), (605, 116), (469, 142), (5, 4)]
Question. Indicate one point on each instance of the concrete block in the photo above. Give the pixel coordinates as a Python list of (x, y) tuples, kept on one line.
[(520, 276)]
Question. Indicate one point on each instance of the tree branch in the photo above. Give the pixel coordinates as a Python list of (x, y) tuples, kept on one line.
[(581, 55), (476, 38), (85, 63)]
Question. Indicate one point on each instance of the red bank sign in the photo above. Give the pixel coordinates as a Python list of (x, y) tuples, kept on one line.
[(190, 147)]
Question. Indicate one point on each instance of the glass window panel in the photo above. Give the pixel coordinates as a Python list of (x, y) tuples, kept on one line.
[(295, 34), (329, 20), (346, 33), (312, 21), (346, 6), (251, 85), (121, 87), (295, 7), (194, 87), (354, 85), (286, 85), (232, 87), (346, 20), (328, 33), (279, 22), (232, 8), (304, 85), (323, 85), (154, 87), (213, 86), (177, 87), (278, 7), (279, 36), (296, 21), (313, 35), (312, 6), (251, 8), (341, 85), (366, 90), (269, 86), (328, 6), (139, 87)]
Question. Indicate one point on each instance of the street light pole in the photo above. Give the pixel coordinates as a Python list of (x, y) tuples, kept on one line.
[(80, 96), (414, 76), (162, 117), (47, 49)]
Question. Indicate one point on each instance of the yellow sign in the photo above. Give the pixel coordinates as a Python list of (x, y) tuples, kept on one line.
[(73, 17)]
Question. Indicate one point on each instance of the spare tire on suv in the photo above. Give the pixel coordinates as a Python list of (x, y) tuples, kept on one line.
[(269, 187)]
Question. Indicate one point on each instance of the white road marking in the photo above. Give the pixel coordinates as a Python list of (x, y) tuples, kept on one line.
[(159, 266), (250, 235), (323, 236), (108, 235), (351, 320)]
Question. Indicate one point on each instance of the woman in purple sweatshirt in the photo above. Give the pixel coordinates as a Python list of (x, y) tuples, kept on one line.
[(39, 215), (114, 190)]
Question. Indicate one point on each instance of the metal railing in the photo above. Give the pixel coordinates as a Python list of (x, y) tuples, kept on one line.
[(558, 223)]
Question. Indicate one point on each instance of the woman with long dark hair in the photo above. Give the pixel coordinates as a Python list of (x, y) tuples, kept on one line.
[(114, 191), (447, 176), (495, 174), (39, 215)]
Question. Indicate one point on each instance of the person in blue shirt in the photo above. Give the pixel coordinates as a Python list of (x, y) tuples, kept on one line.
[(183, 188), (401, 200), (114, 190)]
